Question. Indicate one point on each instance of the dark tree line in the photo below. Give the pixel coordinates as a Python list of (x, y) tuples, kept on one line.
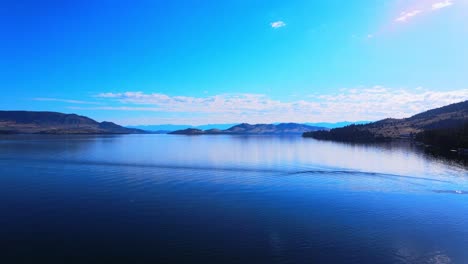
[(448, 138), (352, 133)]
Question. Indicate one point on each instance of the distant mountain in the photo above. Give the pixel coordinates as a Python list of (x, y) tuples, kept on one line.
[(28, 122), (188, 131), (169, 128), (452, 116), (248, 129)]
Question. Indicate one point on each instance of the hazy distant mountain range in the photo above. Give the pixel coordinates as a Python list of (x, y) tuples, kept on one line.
[(445, 125), (31, 122), (258, 129), (28, 122), (170, 128)]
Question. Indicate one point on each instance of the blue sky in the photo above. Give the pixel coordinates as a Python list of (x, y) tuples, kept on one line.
[(198, 62)]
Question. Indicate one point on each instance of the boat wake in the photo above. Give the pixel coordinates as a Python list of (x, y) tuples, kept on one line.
[(280, 171)]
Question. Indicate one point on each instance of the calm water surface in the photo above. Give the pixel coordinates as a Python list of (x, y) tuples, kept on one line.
[(227, 199)]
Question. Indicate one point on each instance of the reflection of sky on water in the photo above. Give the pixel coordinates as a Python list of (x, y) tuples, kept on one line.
[(288, 154), (280, 198)]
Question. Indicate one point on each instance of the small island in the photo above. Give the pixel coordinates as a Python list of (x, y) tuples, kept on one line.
[(257, 129)]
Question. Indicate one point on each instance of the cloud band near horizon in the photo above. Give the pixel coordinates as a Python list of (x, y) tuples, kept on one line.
[(370, 104)]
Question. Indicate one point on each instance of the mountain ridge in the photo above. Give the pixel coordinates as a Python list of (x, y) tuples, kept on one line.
[(451, 116), (252, 129), (47, 122), (171, 127)]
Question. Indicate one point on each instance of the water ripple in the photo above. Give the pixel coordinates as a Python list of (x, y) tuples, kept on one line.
[(280, 171)]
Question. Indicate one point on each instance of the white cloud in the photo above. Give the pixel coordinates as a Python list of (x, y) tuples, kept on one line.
[(109, 95), (404, 16), (65, 101), (371, 103), (442, 4), (232, 103), (277, 24)]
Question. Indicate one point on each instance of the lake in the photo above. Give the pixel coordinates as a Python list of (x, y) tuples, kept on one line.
[(227, 199)]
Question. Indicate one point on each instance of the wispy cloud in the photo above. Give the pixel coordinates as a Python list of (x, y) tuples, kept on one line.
[(404, 16), (442, 4), (372, 103), (224, 103), (423, 8), (277, 24), (65, 101)]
